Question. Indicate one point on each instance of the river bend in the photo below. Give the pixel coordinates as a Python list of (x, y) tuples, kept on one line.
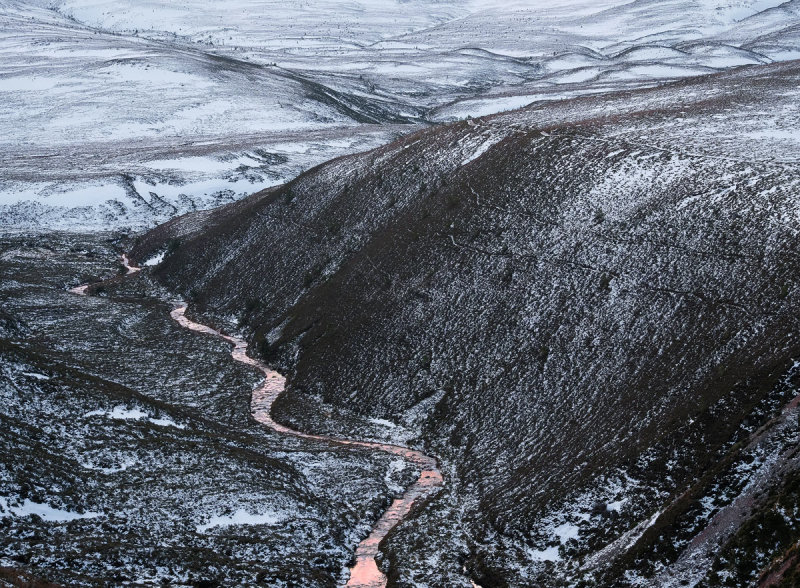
[(365, 573)]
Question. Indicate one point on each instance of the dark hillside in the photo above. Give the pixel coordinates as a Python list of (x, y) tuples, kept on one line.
[(581, 306)]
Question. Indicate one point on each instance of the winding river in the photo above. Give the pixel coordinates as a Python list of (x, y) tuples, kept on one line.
[(365, 573)]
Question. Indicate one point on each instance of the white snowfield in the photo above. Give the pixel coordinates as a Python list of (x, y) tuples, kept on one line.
[(121, 413), (242, 517), (48, 513), (125, 113)]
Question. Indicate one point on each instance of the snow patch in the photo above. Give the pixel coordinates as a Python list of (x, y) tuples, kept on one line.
[(120, 413), (548, 554), (36, 376), (241, 517), (616, 506), (156, 259), (566, 531), (166, 422), (46, 512), (113, 470), (383, 423), (484, 147), (779, 134)]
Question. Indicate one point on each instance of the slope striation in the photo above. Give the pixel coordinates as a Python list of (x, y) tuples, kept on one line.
[(586, 308)]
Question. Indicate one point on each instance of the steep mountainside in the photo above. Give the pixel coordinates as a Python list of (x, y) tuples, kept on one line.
[(588, 309)]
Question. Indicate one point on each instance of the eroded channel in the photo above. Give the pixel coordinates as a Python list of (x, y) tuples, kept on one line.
[(365, 573)]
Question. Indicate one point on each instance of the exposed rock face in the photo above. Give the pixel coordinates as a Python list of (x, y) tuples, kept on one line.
[(581, 306)]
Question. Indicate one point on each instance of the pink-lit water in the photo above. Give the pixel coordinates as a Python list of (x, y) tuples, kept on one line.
[(131, 269), (365, 573)]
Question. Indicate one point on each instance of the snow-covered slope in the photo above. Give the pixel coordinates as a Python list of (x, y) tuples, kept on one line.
[(252, 92), (100, 129)]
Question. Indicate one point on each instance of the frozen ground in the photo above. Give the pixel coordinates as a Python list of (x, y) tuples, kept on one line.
[(139, 183), (582, 306), (127, 113), (127, 450)]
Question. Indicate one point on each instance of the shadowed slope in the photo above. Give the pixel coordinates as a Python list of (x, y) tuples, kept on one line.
[(556, 298)]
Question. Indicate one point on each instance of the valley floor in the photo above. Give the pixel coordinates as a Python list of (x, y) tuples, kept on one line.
[(127, 450)]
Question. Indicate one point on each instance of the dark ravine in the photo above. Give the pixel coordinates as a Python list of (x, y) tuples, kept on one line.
[(365, 573), (584, 306)]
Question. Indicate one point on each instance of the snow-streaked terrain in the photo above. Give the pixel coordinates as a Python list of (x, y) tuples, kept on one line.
[(121, 464), (123, 114), (584, 304), (586, 307)]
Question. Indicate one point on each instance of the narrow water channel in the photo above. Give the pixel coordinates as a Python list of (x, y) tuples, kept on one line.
[(365, 573)]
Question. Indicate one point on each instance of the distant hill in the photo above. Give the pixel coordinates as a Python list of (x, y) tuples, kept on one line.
[(125, 114)]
